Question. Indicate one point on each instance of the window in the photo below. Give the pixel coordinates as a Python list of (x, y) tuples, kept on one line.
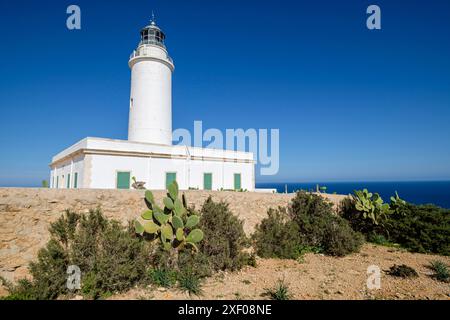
[(170, 177), (237, 181), (207, 181), (53, 182), (123, 180), (68, 181), (75, 180)]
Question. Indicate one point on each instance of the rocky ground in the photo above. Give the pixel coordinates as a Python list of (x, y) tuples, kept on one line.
[(25, 215), (319, 277)]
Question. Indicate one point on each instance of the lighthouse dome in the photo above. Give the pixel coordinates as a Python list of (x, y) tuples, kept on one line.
[(152, 34)]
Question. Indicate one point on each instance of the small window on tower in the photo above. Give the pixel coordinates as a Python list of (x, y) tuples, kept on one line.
[(131, 103)]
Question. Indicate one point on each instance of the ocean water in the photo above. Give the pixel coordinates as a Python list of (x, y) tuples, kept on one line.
[(418, 192)]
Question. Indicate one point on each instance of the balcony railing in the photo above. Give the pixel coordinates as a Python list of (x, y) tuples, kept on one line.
[(145, 52)]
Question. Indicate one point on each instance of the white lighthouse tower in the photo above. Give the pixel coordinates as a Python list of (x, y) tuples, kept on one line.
[(151, 67), (148, 155)]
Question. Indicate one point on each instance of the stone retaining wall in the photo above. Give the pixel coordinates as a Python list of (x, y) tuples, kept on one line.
[(26, 213)]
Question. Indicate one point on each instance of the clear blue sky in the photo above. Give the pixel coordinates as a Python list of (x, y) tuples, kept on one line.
[(351, 104)]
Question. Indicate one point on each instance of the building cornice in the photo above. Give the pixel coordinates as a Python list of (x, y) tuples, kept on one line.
[(138, 154)]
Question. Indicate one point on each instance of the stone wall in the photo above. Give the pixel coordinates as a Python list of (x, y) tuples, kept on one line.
[(26, 213)]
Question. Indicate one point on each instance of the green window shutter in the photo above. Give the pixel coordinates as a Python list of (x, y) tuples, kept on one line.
[(75, 180), (237, 181), (68, 181), (123, 180), (57, 182), (207, 181), (170, 177)]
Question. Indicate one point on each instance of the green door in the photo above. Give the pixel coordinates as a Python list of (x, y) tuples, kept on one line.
[(68, 181), (237, 181), (207, 181), (170, 177), (123, 180), (75, 180)]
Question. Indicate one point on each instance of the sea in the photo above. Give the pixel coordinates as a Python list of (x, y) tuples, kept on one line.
[(417, 192)]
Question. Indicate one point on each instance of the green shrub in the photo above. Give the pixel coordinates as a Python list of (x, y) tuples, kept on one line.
[(221, 248), (163, 277), (321, 228), (402, 271), (441, 271), (224, 239), (309, 224), (23, 290), (277, 236), (339, 238), (418, 228), (190, 282), (279, 292), (110, 257), (423, 228)]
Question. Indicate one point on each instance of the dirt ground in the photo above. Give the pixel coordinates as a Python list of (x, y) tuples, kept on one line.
[(318, 277)]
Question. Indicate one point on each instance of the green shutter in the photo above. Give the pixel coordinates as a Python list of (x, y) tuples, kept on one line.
[(123, 180), (207, 181), (68, 181), (75, 180), (237, 181), (170, 177), (57, 182)]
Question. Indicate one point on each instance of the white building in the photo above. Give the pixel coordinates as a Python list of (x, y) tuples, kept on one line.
[(148, 154)]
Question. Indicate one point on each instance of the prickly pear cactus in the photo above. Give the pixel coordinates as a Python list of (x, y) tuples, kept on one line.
[(174, 225), (371, 206)]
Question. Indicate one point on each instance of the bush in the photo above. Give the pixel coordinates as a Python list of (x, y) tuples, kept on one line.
[(418, 228), (277, 236), (441, 271), (23, 290), (402, 271), (221, 248), (309, 224), (339, 238), (224, 239), (163, 277), (279, 292), (424, 228), (110, 258), (190, 282)]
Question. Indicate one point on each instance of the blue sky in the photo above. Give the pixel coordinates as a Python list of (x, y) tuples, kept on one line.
[(351, 104)]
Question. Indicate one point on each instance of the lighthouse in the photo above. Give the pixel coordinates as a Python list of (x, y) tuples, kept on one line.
[(150, 116), (148, 156)]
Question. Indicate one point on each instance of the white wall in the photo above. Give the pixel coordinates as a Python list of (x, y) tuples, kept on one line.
[(62, 171), (100, 160), (103, 172)]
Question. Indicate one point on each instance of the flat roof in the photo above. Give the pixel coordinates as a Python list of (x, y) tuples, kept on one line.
[(118, 147)]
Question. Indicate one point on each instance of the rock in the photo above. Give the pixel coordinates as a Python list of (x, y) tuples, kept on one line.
[(162, 289)]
